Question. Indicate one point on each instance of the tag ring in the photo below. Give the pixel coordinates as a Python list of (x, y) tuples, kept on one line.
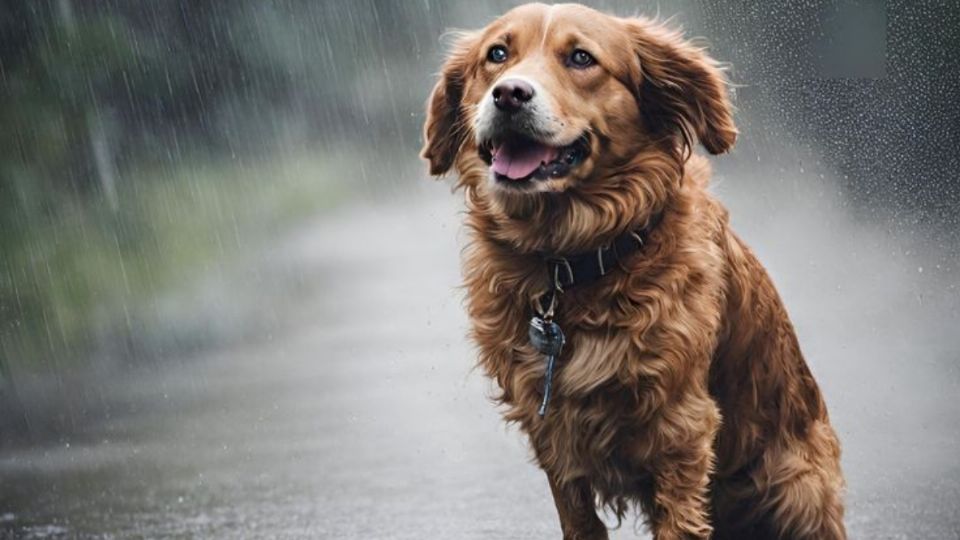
[(547, 313)]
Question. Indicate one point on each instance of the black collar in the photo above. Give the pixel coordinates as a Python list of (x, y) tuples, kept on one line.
[(585, 268)]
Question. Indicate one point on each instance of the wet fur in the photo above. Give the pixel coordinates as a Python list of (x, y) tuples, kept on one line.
[(682, 387)]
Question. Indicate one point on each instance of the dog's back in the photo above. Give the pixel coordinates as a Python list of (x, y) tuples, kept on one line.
[(777, 470), (777, 456)]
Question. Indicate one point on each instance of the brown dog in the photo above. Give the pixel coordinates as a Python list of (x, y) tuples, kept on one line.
[(681, 386)]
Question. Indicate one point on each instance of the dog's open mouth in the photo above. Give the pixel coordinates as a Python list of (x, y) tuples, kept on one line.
[(517, 160)]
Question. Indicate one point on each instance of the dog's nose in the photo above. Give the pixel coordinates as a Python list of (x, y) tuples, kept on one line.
[(511, 94)]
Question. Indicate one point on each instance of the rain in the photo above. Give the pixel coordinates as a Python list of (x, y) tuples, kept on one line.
[(230, 301)]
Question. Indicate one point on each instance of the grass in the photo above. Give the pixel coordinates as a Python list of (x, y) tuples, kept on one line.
[(88, 269)]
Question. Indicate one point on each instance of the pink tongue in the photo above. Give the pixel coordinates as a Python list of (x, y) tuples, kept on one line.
[(518, 161)]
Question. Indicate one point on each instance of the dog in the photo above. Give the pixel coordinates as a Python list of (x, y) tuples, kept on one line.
[(672, 381)]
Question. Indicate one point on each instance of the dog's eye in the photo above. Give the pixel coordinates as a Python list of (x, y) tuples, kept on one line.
[(581, 59), (497, 54)]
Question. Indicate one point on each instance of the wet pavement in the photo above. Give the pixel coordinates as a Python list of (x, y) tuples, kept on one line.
[(359, 415)]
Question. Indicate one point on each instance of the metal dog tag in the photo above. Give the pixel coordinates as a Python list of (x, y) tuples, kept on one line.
[(546, 336)]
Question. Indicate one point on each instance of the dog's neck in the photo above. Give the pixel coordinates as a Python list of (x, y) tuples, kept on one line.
[(556, 227), (581, 219), (567, 271)]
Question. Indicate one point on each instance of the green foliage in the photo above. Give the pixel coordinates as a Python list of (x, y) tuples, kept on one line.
[(48, 87), (151, 78), (67, 279), (77, 65)]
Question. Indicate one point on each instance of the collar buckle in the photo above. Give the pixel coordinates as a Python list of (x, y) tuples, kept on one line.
[(601, 251), (557, 263), (567, 271)]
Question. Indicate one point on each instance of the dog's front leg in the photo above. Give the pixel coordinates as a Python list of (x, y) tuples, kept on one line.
[(578, 514), (682, 473)]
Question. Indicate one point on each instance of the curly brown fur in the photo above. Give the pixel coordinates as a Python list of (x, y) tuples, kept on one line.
[(682, 388)]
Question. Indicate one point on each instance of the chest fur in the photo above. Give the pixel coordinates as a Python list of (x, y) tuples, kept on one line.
[(634, 343)]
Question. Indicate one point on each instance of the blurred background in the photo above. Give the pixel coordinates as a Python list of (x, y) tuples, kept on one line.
[(229, 300)]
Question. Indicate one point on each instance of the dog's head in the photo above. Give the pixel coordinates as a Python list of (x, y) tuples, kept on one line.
[(548, 112)]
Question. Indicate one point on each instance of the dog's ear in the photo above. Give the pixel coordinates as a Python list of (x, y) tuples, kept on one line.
[(444, 131), (680, 88)]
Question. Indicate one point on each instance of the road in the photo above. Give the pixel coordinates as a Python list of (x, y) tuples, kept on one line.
[(359, 414)]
